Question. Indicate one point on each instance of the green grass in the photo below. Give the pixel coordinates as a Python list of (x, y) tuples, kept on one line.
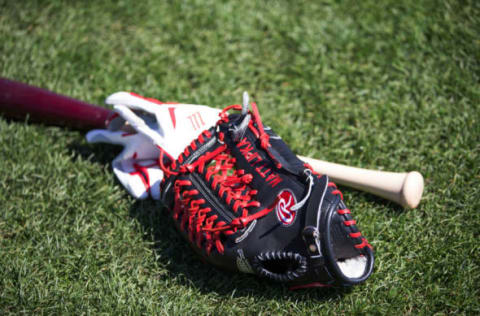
[(391, 85)]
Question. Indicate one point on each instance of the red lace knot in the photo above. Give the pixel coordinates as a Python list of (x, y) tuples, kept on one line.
[(335, 191), (240, 222), (350, 222), (306, 165), (195, 204), (363, 244), (180, 183), (355, 235), (344, 211), (238, 179), (224, 115), (186, 168), (237, 223), (246, 178), (264, 140)]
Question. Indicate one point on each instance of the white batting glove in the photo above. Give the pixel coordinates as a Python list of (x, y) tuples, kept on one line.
[(143, 126)]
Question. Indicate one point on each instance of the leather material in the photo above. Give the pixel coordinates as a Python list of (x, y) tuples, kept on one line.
[(299, 246)]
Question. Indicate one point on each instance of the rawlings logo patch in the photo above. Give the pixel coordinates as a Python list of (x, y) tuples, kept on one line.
[(283, 209)]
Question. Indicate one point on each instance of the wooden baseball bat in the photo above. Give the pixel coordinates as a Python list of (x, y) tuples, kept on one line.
[(17, 100), (404, 188)]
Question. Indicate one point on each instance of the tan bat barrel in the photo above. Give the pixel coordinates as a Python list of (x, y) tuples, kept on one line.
[(405, 188)]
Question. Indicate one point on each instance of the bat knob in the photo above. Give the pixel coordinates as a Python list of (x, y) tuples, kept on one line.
[(412, 189)]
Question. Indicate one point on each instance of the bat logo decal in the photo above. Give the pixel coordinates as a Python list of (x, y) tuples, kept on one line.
[(283, 209)]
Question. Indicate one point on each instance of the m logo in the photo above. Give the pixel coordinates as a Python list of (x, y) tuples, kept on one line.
[(196, 120), (283, 209)]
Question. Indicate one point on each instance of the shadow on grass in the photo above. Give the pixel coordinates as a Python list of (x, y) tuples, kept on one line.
[(102, 154), (186, 267), (391, 207)]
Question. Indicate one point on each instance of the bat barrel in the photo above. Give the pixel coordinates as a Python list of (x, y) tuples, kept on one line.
[(403, 188), (412, 189), (17, 100)]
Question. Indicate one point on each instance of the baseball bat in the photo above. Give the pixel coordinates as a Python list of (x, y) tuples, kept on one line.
[(17, 100), (404, 188)]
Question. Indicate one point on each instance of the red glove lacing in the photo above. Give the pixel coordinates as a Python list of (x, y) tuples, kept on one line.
[(232, 185), (344, 211)]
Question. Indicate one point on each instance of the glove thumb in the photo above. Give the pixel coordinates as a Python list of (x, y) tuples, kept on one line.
[(106, 136)]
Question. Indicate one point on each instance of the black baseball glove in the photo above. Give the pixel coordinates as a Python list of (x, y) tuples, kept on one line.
[(245, 202)]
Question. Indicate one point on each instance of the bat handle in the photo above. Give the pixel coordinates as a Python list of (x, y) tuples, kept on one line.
[(17, 100), (405, 188)]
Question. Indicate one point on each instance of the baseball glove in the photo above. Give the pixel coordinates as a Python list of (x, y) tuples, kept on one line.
[(245, 202)]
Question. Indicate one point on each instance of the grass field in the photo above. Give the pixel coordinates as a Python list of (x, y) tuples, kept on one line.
[(391, 85)]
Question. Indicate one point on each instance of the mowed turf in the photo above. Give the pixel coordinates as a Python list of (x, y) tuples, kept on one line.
[(392, 85)]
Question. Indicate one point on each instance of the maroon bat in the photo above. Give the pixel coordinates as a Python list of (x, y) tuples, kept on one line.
[(17, 100)]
